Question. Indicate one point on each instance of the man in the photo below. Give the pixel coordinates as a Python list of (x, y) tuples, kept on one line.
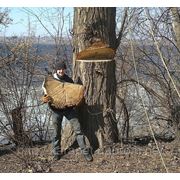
[(70, 114)]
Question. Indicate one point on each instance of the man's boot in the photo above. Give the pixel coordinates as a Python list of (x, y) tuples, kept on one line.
[(57, 157), (87, 154), (85, 151)]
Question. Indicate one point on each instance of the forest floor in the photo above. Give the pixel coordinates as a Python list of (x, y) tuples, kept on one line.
[(120, 158)]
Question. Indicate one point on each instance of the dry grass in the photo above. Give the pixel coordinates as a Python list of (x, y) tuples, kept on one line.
[(119, 158)]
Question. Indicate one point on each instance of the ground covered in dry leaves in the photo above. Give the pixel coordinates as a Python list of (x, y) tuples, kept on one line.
[(126, 158)]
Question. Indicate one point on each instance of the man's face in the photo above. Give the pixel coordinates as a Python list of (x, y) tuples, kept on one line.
[(61, 72)]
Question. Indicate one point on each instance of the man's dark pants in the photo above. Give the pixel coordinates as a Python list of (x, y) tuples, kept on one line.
[(71, 115)]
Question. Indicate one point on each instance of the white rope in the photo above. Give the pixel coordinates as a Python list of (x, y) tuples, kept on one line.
[(162, 59), (145, 111), (94, 114), (94, 60)]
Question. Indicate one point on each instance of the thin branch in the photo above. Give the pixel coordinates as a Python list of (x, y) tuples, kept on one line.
[(149, 90)]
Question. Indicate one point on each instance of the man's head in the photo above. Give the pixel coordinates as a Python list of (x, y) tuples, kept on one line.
[(60, 68)]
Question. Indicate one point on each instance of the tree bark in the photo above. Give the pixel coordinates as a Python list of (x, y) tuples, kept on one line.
[(97, 114)]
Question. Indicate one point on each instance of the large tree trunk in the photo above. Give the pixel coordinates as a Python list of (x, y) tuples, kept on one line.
[(97, 114)]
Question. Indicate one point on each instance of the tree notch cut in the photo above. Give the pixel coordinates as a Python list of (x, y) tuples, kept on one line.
[(98, 50)]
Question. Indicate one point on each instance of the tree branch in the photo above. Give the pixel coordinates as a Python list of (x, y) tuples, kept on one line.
[(118, 40), (149, 90)]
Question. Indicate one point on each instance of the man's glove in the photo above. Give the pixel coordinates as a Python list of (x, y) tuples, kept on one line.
[(46, 99)]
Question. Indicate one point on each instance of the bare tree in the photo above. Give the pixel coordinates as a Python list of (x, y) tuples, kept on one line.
[(19, 93), (157, 88), (4, 17), (53, 21)]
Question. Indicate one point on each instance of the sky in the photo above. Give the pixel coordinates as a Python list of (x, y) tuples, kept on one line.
[(21, 19)]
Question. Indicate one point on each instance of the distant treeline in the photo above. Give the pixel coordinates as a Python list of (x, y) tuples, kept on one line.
[(38, 49)]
